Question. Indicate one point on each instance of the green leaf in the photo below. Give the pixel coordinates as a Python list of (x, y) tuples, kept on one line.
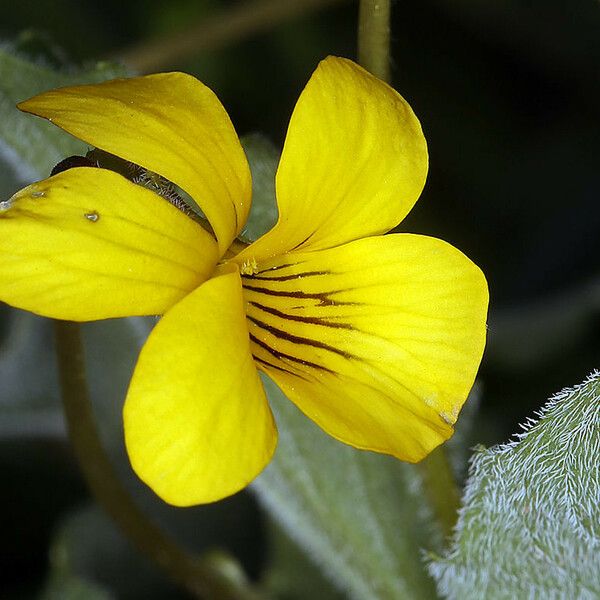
[(263, 158), (90, 558), (289, 574), (530, 525), (71, 587), (29, 401), (32, 146), (360, 516), (9, 181)]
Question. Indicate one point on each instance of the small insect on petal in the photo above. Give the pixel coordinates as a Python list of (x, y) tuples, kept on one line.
[(92, 216)]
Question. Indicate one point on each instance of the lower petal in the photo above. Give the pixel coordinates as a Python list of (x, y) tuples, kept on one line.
[(198, 426), (378, 341)]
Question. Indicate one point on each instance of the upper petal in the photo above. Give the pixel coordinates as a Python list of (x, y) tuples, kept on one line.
[(353, 164), (378, 341), (169, 123), (88, 244), (197, 423)]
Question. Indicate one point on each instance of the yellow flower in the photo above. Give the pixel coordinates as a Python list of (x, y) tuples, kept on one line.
[(376, 338)]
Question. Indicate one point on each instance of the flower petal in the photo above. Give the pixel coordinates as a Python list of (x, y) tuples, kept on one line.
[(353, 164), (88, 244), (197, 423), (378, 341), (169, 123)]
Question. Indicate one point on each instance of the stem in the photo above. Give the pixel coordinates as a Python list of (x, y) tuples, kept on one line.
[(239, 21), (374, 37), (207, 577), (441, 489)]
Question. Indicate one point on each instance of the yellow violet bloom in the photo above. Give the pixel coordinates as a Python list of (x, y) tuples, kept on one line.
[(377, 338)]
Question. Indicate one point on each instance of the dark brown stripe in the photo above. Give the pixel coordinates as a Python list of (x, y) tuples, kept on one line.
[(301, 319), (322, 297), (296, 339), (284, 356), (235, 215), (288, 277), (303, 241), (269, 365), (279, 267)]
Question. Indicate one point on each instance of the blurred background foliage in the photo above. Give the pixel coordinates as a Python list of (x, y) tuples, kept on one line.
[(508, 95)]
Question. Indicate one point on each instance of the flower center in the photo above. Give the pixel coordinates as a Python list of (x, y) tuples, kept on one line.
[(249, 267)]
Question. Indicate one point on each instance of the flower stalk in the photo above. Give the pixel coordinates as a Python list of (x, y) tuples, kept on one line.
[(205, 577), (233, 24), (374, 37)]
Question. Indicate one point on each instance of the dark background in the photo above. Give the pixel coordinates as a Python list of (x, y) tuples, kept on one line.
[(508, 95)]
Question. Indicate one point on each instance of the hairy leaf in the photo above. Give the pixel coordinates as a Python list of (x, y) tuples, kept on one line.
[(290, 574), (530, 524), (29, 397)]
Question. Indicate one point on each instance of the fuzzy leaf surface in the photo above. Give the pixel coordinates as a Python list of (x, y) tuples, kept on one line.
[(530, 522)]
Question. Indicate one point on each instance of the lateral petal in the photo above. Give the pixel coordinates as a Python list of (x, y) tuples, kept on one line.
[(197, 423), (169, 123), (88, 244), (353, 164), (378, 341)]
